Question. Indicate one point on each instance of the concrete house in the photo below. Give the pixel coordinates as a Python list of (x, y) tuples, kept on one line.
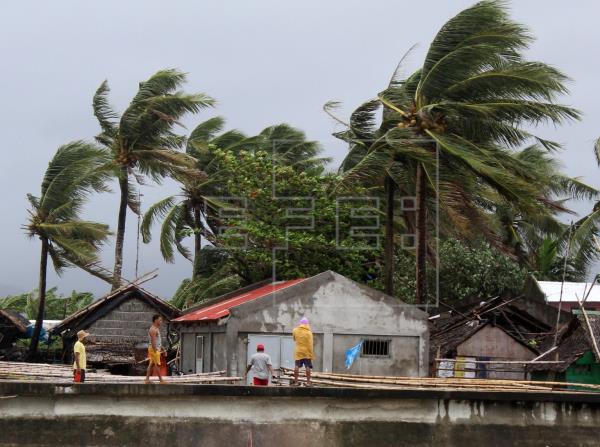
[(222, 334)]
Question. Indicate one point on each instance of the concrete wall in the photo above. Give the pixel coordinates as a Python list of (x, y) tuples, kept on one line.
[(35, 414), (335, 306), (402, 361), (496, 344), (493, 342)]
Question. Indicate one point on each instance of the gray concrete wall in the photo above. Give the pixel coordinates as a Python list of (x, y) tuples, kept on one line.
[(34, 414), (403, 359), (337, 305), (496, 344), (493, 342)]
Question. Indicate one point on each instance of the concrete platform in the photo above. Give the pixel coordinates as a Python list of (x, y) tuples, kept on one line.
[(36, 414)]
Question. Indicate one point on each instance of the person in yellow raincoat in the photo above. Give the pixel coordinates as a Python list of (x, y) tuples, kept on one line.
[(303, 352)]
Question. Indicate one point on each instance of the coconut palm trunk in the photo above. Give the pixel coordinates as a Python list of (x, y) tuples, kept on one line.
[(421, 236), (35, 339), (120, 237), (388, 257), (197, 241)]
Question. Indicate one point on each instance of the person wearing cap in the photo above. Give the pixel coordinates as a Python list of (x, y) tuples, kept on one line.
[(303, 352), (80, 363), (261, 366)]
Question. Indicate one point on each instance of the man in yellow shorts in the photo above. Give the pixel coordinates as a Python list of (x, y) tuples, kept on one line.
[(154, 349)]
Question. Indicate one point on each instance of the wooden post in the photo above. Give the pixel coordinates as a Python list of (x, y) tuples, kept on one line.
[(589, 326)]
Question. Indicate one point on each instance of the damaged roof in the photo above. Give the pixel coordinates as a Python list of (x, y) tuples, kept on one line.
[(19, 321), (574, 341), (219, 308), (448, 333)]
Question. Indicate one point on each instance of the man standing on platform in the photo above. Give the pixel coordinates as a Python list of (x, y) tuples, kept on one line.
[(303, 353), (261, 366), (80, 363), (154, 349)]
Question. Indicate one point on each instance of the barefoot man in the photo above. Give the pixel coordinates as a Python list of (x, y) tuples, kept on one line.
[(154, 349), (303, 354)]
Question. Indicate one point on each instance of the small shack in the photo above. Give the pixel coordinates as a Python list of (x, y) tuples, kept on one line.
[(575, 351), (13, 325), (118, 324), (221, 334), (474, 341)]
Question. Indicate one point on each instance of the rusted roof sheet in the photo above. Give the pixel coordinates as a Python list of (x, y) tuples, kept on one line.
[(214, 311)]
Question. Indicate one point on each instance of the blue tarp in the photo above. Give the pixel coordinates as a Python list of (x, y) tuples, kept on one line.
[(352, 353)]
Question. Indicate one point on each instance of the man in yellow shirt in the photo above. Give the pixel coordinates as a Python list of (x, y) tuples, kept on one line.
[(80, 363), (303, 353)]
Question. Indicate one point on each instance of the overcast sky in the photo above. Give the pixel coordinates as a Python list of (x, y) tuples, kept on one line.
[(265, 61)]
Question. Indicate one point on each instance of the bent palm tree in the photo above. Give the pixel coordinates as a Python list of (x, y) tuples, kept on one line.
[(198, 204), (75, 171), (458, 117), (586, 231), (141, 141)]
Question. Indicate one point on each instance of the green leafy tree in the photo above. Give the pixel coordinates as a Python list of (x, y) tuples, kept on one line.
[(262, 242), (75, 171), (196, 211), (141, 141), (466, 271)]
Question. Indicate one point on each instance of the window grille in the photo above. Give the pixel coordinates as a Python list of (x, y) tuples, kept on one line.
[(375, 348)]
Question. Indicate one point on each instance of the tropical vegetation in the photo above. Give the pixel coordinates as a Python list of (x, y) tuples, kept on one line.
[(445, 186)]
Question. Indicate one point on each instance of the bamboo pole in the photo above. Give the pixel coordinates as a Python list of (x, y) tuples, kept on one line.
[(589, 326)]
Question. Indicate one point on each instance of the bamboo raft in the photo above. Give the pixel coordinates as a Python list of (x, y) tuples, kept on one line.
[(445, 384), (42, 372)]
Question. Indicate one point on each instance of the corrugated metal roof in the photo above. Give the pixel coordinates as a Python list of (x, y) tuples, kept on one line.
[(571, 290), (221, 309)]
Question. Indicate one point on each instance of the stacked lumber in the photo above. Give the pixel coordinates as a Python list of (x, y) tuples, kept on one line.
[(41, 372), (447, 384)]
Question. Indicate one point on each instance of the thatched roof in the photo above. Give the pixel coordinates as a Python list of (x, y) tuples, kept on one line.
[(574, 341), (448, 333), (89, 314), (19, 321)]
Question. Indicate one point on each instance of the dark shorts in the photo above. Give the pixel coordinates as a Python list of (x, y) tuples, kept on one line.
[(261, 382), (304, 362), (79, 379)]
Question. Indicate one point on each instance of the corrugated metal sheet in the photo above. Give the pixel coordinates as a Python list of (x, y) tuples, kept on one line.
[(571, 291), (221, 309)]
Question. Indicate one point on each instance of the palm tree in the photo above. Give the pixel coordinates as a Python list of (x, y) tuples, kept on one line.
[(142, 142), (75, 171), (466, 108), (194, 212), (197, 212), (586, 231)]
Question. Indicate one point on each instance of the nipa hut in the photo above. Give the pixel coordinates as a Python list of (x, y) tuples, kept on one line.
[(12, 326), (118, 324), (473, 342), (579, 361)]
